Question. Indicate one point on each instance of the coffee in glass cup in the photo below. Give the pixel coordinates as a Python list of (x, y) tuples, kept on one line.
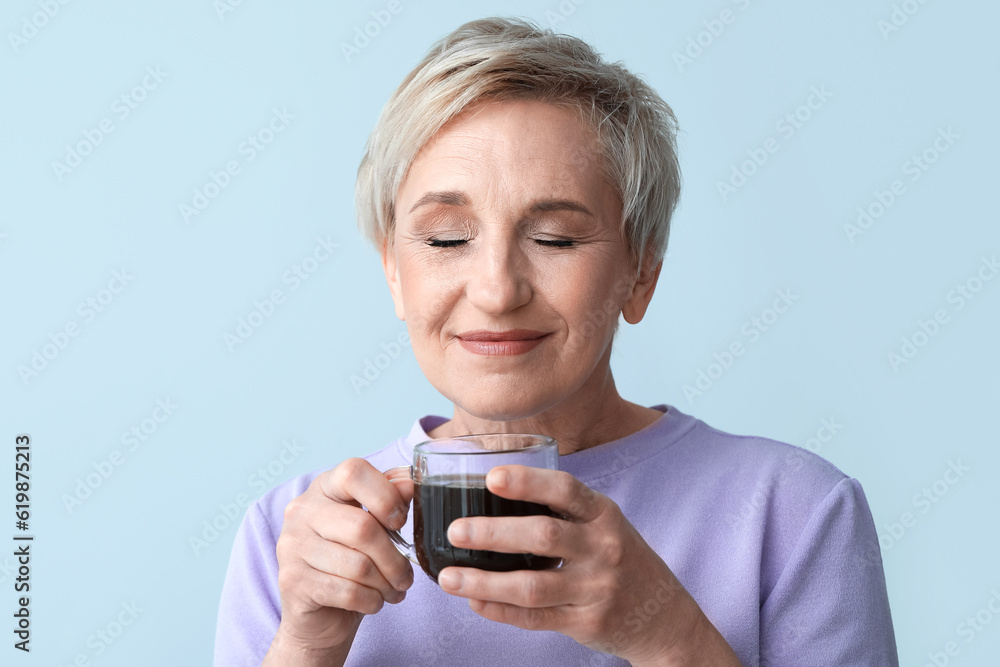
[(449, 477)]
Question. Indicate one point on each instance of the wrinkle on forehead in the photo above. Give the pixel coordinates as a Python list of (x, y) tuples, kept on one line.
[(506, 159)]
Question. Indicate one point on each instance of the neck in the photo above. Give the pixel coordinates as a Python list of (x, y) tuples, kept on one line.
[(587, 419)]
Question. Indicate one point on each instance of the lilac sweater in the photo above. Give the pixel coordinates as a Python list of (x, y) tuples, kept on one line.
[(777, 546)]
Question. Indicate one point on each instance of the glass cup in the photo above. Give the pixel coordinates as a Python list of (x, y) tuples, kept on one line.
[(449, 479)]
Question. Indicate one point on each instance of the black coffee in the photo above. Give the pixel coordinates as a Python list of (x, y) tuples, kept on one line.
[(437, 504)]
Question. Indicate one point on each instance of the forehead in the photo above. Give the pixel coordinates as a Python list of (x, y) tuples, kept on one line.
[(509, 147)]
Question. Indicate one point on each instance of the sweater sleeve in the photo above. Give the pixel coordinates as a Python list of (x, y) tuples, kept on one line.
[(250, 608), (829, 606)]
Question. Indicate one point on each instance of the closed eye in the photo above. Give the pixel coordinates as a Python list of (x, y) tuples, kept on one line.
[(454, 243), (555, 243), (445, 243)]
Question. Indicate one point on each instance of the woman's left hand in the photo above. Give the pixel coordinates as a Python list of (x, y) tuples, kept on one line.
[(613, 593)]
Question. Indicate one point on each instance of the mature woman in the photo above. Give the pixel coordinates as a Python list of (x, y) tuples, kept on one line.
[(520, 191)]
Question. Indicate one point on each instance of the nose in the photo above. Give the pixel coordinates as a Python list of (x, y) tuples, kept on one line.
[(500, 279)]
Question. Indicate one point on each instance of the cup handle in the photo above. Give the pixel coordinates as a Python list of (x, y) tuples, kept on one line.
[(394, 475)]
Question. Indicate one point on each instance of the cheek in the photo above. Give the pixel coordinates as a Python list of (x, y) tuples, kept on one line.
[(595, 328), (427, 295), (591, 309)]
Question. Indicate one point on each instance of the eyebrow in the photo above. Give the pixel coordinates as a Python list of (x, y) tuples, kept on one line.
[(548, 205), (456, 198), (449, 198)]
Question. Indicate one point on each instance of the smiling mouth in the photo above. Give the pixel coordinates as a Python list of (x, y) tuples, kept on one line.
[(501, 343)]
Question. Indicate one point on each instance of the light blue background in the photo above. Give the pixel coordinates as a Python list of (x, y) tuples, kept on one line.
[(162, 337)]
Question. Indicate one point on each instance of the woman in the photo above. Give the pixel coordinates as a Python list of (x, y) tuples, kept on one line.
[(520, 191)]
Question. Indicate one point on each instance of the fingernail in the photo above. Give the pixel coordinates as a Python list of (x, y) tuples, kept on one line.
[(399, 597), (450, 579), (405, 582), (500, 478), (397, 519), (459, 531)]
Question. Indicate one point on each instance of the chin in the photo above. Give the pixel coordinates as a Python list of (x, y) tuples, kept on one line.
[(502, 404)]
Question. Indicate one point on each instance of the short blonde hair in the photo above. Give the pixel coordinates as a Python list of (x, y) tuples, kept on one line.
[(500, 59)]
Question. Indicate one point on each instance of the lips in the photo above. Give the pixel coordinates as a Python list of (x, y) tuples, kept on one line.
[(497, 336), (501, 343)]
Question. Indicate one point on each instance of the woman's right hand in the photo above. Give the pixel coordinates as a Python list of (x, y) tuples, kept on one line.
[(336, 562)]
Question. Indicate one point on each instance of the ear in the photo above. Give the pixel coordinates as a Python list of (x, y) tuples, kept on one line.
[(391, 269), (642, 291)]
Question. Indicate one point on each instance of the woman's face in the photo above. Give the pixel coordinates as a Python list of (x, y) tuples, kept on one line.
[(507, 261)]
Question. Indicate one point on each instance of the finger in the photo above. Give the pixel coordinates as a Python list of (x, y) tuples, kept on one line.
[(357, 482), (532, 589), (320, 589), (538, 535), (347, 563), (545, 618), (355, 528), (400, 477), (562, 492)]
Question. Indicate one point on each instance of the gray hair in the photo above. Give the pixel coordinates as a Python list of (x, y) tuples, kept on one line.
[(499, 59)]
